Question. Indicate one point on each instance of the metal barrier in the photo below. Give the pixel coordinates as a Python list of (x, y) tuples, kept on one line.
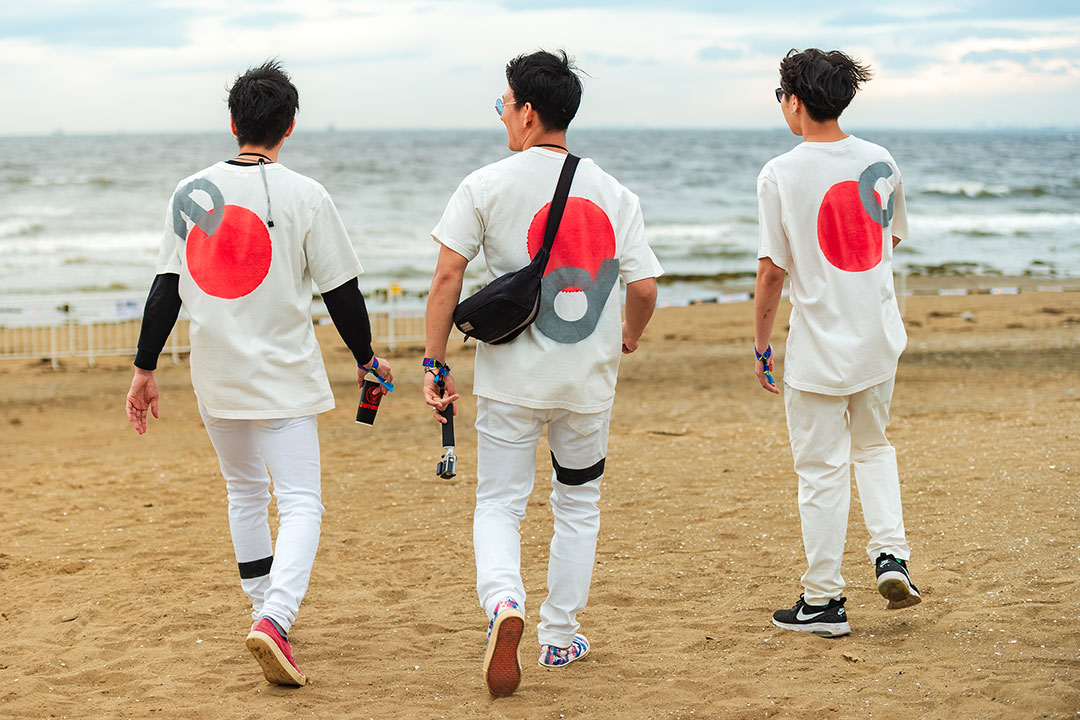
[(89, 340), (48, 330)]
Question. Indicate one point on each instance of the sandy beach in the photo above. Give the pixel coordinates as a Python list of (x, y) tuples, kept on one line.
[(121, 595)]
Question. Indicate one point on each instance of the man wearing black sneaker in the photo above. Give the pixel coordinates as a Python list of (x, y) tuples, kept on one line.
[(830, 213)]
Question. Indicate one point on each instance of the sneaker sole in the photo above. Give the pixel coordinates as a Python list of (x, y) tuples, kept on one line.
[(502, 666), (896, 588), (275, 666), (560, 667), (820, 629)]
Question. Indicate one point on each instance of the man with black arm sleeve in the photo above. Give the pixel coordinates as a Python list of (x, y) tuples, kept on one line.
[(244, 240)]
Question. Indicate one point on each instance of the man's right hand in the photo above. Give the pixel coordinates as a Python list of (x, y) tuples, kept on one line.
[(438, 398), (759, 370), (142, 394), (383, 370), (629, 342)]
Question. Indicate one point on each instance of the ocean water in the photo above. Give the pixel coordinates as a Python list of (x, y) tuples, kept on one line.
[(85, 214)]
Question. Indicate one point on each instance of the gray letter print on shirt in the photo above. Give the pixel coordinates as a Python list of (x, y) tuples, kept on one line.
[(596, 292), (870, 176), (184, 204)]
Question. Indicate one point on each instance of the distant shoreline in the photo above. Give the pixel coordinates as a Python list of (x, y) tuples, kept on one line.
[(303, 130)]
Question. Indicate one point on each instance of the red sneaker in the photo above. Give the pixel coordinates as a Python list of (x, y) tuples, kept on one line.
[(274, 654)]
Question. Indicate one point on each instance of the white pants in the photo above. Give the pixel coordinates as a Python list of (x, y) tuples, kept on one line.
[(275, 578), (828, 435), (506, 438)]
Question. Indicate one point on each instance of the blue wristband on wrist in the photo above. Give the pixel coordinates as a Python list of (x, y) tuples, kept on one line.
[(763, 358)]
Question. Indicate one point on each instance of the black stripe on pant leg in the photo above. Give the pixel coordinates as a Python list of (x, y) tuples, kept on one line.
[(255, 568), (577, 477)]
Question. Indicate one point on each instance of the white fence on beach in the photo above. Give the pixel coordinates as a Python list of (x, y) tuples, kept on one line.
[(52, 329)]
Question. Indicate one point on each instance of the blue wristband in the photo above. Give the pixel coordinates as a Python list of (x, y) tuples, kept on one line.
[(764, 358), (388, 386)]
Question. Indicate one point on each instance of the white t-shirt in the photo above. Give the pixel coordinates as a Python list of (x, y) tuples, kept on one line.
[(248, 287), (569, 357), (827, 214)]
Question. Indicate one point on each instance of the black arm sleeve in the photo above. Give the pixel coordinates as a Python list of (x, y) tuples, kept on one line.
[(349, 313), (159, 316)]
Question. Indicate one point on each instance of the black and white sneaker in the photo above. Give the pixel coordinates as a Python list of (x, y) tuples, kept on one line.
[(824, 620), (894, 583)]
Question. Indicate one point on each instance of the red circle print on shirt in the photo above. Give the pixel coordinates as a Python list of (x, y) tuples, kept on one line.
[(850, 239), (232, 261), (585, 238)]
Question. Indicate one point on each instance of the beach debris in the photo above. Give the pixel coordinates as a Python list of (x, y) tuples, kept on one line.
[(851, 657), (940, 314), (1053, 310), (68, 618), (967, 316)]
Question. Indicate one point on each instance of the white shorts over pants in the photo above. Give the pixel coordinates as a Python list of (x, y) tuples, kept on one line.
[(829, 434), (506, 439), (274, 578)]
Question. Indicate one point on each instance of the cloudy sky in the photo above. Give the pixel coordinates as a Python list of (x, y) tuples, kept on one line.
[(163, 65)]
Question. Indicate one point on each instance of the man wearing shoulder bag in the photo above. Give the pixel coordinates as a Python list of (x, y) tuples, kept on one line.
[(559, 372)]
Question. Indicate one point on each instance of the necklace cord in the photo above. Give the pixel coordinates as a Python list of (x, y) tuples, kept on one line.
[(266, 186)]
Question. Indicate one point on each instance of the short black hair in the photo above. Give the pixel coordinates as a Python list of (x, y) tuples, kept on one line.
[(550, 82), (263, 102), (825, 81)]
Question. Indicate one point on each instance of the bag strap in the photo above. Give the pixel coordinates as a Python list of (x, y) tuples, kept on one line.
[(558, 204)]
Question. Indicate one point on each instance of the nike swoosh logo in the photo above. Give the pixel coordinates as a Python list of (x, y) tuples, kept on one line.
[(799, 615)]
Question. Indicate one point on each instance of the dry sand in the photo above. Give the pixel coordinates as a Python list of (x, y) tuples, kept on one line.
[(121, 596)]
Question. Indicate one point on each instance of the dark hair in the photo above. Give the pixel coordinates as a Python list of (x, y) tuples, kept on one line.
[(263, 102), (825, 81), (550, 83)]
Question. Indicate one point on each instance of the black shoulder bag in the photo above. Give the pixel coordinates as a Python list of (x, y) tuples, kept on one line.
[(507, 305)]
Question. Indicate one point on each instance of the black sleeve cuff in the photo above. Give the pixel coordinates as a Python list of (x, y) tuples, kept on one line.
[(159, 317), (348, 310)]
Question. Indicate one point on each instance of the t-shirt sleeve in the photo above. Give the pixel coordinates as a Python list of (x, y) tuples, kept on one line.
[(637, 260), (169, 253), (773, 240), (899, 226), (461, 227), (330, 255)]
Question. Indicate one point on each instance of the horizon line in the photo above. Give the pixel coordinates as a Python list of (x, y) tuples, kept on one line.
[(330, 128)]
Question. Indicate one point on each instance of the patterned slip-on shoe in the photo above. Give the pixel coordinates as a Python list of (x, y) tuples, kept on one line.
[(274, 654), (556, 657), (502, 667), (894, 582)]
